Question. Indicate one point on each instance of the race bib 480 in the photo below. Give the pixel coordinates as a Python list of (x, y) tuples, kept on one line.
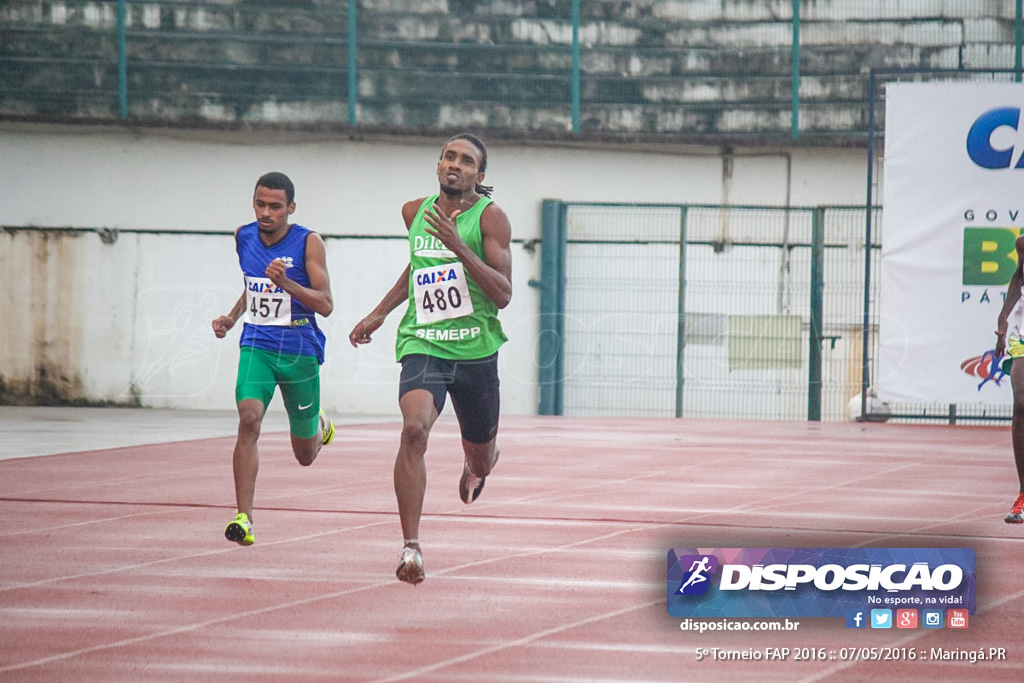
[(441, 293)]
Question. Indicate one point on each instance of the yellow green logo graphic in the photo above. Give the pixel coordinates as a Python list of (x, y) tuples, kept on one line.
[(990, 256)]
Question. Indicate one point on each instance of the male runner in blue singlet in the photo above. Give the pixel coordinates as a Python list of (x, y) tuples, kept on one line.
[(286, 283)]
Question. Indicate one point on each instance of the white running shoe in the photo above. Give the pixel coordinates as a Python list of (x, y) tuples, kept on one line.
[(470, 485), (410, 569)]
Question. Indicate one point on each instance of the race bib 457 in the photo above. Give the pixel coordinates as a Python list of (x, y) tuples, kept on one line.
[(266, 303)]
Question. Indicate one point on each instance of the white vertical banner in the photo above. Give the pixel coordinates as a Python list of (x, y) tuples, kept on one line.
[(953, 207)]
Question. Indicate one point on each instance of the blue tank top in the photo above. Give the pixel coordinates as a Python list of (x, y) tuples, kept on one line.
[(274, 321)]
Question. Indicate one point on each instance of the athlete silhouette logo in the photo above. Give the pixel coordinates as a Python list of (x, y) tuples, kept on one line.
[(696, 581)]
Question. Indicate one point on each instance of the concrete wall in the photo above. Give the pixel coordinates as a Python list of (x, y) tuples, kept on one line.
[(123, 316)]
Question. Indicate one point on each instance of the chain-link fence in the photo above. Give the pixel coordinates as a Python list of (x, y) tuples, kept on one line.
[(752, 71)]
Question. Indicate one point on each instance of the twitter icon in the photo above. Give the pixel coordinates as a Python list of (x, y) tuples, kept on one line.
[(881, 618)]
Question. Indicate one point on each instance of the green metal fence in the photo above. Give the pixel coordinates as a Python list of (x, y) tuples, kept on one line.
[(711, 311)]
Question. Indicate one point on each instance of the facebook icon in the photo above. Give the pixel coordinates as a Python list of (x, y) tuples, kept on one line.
[(855, 619)]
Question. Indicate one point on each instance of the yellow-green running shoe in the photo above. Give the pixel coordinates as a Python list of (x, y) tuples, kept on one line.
[(240, 530), (328, 429)]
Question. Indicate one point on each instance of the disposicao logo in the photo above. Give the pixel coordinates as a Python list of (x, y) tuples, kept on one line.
[(817, 582), (696, 579)]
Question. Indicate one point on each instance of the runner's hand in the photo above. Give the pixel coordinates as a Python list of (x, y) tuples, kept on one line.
[(364, 329), (443, 227), (222, 324), (277, 270)]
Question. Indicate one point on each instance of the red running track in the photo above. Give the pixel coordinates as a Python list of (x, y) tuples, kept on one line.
[(113, 566)]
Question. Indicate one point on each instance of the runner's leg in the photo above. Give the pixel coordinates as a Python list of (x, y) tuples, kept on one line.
[(477, 402), (299, 380), (418, 416), (1017, 425), (246, 458)]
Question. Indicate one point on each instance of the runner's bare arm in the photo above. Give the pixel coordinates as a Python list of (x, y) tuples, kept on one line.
[(225, 322), (492, 273), (317, 296), (362, 333)]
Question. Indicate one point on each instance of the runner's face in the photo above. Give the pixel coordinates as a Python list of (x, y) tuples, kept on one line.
[(459, 168), (272, 209)]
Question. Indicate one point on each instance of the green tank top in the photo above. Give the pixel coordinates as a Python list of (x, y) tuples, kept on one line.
[(448, 315)]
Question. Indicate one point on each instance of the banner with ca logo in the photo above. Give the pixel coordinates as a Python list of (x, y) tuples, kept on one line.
[(952, 210)]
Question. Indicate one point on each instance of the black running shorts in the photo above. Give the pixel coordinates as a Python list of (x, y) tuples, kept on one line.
[(472, 384)]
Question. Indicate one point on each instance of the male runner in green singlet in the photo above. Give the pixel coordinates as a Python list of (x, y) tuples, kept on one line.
[(459, 275)]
